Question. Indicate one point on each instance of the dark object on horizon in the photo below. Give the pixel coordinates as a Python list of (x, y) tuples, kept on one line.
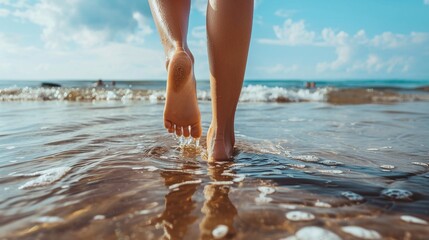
[(310, 85), (50, 85), (113, 83), (99, 83)]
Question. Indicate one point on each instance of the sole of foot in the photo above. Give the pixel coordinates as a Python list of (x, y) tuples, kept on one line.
[(181, 112)]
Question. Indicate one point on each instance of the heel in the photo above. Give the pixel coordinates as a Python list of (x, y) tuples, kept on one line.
[(179, 69)]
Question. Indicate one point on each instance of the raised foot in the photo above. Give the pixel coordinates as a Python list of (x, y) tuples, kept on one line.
[(181, 112)]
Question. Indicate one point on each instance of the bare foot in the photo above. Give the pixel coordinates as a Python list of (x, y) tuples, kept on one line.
[(181, 112), (220, 142)]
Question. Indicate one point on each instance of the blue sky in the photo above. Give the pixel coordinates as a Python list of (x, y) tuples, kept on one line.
[(292, 39)]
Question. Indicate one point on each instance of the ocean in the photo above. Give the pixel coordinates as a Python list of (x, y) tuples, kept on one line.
[(347, 160)]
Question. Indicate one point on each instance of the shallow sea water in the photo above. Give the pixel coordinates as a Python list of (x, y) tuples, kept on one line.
[(108, 170)]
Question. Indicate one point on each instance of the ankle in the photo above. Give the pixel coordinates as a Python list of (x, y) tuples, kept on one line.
[(221, 133)]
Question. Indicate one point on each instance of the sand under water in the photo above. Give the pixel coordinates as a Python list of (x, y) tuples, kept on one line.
[(303, 170)]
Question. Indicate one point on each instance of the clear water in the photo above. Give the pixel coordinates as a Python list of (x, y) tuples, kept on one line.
[(108, 170)]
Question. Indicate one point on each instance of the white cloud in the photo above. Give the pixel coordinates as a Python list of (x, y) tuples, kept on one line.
[(74, 22), (426, 2), (342, 48), (349, 49), (390, 40), (292, 34), (144, 29), (102, 43)]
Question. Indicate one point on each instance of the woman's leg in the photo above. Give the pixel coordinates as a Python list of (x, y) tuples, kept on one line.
[(229, 26), (181, 112)]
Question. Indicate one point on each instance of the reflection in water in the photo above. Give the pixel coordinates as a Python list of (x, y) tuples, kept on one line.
[(179, 214), (218, 208), (179, 205)]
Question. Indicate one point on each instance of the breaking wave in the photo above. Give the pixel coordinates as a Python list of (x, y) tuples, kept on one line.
[(250, 93)]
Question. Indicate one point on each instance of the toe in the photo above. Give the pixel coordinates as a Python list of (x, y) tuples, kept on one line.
[(196, 130), (169, 126), (186, 131), (178, 130)]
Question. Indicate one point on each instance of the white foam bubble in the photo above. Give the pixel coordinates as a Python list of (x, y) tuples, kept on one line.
[(330, 171), (331, 163), (49, 219), (322, 204), (220, 231), (300, 166), (177, 185), (387, 167), (299, 216), (313, 233), (372, 149), (360, 232), (266, 190), (305, 158), (137, 168), (288, 206), (352, 196), (411, 219), (151, 168), (99, 217), (262, 198), (144, 212), (398, 194), (44, 178), (421, 164)]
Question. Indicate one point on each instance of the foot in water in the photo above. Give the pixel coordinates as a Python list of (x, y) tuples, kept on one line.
[(181, 112), (220, 142)]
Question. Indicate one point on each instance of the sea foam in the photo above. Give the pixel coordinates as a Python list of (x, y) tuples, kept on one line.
[(44, 178), (250, 93)]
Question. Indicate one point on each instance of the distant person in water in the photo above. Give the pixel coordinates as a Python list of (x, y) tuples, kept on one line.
[(310, 85), (229, 25), (99, 83)]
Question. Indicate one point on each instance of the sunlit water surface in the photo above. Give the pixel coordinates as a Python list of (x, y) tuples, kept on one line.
[(108, 170)]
